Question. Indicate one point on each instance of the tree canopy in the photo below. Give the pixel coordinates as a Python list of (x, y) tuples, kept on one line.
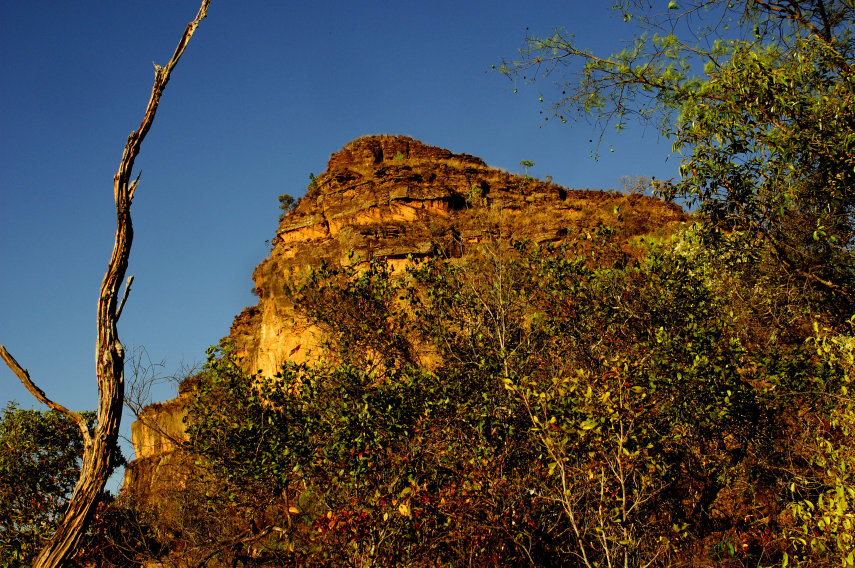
[(40, 461), (527, 406), (757, 97)]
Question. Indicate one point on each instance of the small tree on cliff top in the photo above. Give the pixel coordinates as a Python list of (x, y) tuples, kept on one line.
[(100, 442)]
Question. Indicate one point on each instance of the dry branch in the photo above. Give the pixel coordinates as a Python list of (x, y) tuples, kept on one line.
[(40, 395), (109, 352)]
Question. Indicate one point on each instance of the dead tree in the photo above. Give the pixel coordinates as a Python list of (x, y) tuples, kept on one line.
[(109, 352)]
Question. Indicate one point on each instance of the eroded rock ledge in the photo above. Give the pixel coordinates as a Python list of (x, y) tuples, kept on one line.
[(393, 196), (390, 197)]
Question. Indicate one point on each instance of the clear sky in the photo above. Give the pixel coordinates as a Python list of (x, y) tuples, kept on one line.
[(264, 94)]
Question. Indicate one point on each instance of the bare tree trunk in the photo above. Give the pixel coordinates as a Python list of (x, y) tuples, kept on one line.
[(109, 353)]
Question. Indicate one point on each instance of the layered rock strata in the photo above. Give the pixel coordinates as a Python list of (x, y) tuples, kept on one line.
[(395, 198)]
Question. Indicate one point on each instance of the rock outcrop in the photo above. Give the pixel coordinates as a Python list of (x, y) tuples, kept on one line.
[(157, 435), (395, 198)]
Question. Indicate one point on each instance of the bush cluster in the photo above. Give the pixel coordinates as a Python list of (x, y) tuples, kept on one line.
[(536, 407)]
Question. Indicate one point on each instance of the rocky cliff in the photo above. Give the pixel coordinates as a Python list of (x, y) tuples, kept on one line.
[(395, 198)]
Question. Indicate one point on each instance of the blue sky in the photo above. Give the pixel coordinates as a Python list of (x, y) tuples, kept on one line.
[(264, 94)]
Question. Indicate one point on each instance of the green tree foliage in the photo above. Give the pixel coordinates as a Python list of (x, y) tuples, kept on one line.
[(532, 406), (287, 203), (40, 456), (758, 98), (39, 466), (824, 494)]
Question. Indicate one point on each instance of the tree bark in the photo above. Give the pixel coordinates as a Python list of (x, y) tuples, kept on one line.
[(109, 352)]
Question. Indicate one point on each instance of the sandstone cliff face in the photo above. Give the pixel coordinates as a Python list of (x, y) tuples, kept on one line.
[(392, 197), (157, 435)]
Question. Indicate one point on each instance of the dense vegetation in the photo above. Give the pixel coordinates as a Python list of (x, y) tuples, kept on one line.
[(497, 411), (38, 470), (685, 402), (40, 459), (533, 406)]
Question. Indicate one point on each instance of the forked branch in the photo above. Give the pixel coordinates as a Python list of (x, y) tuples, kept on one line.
[(109, 352)]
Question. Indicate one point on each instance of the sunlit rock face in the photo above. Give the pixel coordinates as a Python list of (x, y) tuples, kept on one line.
[(395, 198), (157, 436)]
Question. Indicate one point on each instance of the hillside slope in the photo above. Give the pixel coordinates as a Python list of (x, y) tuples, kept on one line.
[(395, 198)]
